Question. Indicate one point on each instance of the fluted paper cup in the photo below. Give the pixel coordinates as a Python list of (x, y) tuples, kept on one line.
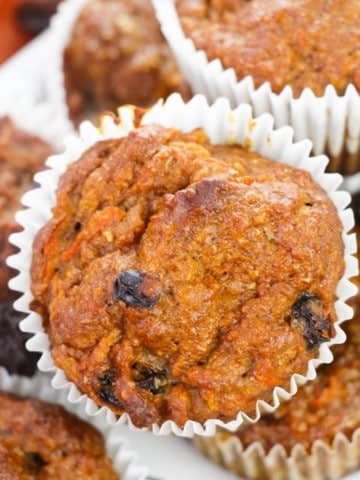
[(222, 125), (331, 121), (324, 462), (123, 458)]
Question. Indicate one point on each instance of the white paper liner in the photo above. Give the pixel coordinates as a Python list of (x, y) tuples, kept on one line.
[(331, 121), (123, 458), (35, 118), (61, 27), (323, 462), (222, 125)]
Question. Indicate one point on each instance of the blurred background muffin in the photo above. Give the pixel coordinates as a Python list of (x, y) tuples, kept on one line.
[(117, 55), (39, 440), (21, 156), (301, 43)]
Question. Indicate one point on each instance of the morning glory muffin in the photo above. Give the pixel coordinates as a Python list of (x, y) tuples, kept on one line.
[(42, 441), (117, 55), (301, 43), (21, 156), (182, 280)]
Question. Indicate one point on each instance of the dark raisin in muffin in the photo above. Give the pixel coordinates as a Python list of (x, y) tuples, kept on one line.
[(21, 155), (301, 43)]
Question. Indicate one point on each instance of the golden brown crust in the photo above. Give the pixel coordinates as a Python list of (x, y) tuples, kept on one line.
[(182, 280), (44, 442), (117, 55), (301, 43), (21, 155)]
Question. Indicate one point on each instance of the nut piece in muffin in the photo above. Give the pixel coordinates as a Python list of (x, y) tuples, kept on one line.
[(301, 43), (117, 55), (43, 441), (21, 156), (181, 280)]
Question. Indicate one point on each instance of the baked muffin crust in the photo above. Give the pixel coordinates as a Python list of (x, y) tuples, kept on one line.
[(181, 280), (117, 55), (43, 441), (301, 43)]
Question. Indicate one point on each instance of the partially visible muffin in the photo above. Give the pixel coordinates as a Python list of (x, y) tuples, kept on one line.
[(43, 441), (117, 55), (301, 43), (21, 155), (182, 280)]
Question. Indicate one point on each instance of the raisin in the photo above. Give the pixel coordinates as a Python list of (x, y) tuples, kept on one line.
[(13, 354), (34, 462), (355, 205), (106, 393), (128, 289), (307, 315), (149, 379)]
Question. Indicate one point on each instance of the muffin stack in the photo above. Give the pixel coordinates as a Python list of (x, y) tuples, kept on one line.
[(185, 268)]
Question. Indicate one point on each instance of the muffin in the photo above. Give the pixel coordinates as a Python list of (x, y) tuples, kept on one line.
[(180, 280), (21, 155), (299, 43), (116, 55), (14, 356), (305, 432), (43, 441)]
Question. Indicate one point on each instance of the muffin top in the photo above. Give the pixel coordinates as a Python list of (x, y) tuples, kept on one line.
[(182, 280), (21, 155), (301, 43), (322, 408), (117, 55), (43, 441)]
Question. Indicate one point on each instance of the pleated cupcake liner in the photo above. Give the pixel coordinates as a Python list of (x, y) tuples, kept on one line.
[(323, 462)]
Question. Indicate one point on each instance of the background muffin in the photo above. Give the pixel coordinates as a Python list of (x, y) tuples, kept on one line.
[(299, 43), (294, 76), (44, 441), (117, 55), (21, 155)]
